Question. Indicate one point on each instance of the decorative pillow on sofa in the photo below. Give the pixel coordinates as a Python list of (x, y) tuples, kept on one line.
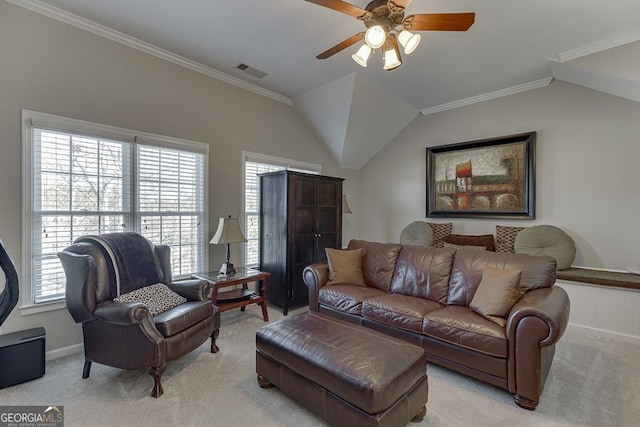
[(497, 292), (506, 237), (158, 298), (345, 266), (547, 240), (465, 247), (440, 231), (485, 240), (418, 233)]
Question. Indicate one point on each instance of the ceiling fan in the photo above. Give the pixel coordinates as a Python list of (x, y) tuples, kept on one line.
[(387, 26)]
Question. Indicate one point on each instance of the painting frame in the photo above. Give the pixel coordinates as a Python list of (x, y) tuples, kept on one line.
[(454, 192)]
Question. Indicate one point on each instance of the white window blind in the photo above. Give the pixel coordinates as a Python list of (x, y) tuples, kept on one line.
[(255, 164), (80, 187), (78, 183), (171, 204)]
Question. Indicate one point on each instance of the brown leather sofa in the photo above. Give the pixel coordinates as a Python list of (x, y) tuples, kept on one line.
[(126, 335), (422, 295)]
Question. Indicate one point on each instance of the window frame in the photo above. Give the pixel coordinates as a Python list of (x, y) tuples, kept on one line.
[(286, 164), (32, 119)]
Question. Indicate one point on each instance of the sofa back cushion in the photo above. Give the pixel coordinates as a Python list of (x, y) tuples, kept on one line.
[(378, 262), (423, 272), (468, 266)]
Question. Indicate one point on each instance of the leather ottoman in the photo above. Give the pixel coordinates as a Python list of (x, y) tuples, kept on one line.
[(345, 373)]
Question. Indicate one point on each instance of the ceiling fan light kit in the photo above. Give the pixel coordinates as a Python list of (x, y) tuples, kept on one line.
[(375, 36), (409, 41), (391, 59), (387, 26), (362, 55)]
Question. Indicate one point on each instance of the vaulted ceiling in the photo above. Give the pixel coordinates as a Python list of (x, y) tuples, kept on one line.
[(513, 46)]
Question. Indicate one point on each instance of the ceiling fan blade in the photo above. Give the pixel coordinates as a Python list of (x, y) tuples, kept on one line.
[(440, 22), (341, 46), (340, 6)]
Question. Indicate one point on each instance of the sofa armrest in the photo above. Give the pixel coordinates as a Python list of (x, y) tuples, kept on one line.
[(551, 305), (192, 289), (315, 277), (122, 313), (536, 322)]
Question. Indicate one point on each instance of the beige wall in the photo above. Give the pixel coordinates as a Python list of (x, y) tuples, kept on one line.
[(588, 158), (51, 67)]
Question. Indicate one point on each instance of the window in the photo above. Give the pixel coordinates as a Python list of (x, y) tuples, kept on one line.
[(171, 204), (83, 178), (255, 164)]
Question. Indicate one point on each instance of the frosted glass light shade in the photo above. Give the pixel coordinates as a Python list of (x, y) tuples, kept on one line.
[(391, 60), (362, 55), (375, 36), (409, 41)]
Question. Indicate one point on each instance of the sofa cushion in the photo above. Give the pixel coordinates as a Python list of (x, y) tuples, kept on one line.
[(345, 267), (497, 292), (182, 317), (485, 240), (158, 298), (401, 311), (505, 238), (440, 231), (346, 298), (462, 327), (423, 272), (468, 266), (378, 262)]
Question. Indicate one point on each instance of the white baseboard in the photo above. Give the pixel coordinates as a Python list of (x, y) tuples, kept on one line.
[(64, 351), (612, 334)]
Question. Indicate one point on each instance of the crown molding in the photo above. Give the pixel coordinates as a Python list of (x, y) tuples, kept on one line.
[(487, 96), (101, 30), (597, 47)]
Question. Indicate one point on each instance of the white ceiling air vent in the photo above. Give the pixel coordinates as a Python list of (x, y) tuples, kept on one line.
[(251, 71)]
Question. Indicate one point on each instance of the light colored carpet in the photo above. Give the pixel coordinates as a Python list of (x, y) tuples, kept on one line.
[(594, 381)]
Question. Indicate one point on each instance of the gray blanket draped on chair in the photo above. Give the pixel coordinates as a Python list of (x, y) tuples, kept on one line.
[(133, 255)]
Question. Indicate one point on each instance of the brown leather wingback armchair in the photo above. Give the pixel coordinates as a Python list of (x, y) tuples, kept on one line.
[(125, 335)]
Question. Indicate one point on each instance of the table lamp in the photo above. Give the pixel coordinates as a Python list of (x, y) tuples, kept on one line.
[(228, 232), (345, 206)]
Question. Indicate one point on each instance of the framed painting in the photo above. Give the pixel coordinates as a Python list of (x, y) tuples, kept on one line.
[(489, 178)]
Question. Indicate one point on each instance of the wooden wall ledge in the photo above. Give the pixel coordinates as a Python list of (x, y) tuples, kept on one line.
[(599, 277)]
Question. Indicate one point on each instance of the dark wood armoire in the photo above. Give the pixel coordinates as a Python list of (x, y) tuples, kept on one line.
[(300, 216)]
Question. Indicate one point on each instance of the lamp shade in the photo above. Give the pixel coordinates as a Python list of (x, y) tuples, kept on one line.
[(345, 206), (409, 41), (391, 59), (228, 232), (362, 55), (375, 36)]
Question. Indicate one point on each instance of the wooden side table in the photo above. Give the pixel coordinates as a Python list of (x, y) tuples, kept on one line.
[(238, 298)]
